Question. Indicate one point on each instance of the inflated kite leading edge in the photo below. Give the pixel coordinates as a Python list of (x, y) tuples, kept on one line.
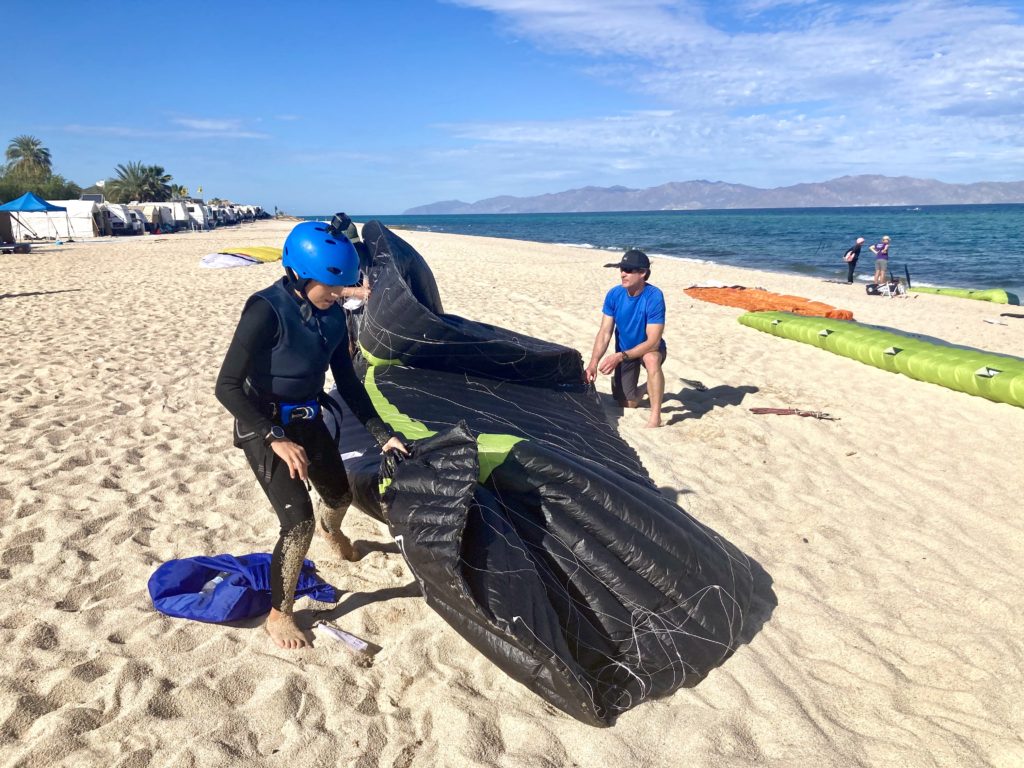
[(996, 377), (995, 295)]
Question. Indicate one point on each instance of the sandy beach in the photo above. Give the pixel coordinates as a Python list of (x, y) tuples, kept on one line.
[(892, 628)]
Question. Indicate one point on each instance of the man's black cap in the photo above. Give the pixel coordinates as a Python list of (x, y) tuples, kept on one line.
[(632, 259)]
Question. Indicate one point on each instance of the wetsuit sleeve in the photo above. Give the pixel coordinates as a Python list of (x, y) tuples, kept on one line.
[(256, 334), (354, 394)]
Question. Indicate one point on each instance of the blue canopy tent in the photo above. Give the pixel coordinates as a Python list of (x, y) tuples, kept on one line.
[(30, 202)]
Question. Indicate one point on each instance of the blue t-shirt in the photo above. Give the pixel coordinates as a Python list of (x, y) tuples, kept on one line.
[(633, 314)]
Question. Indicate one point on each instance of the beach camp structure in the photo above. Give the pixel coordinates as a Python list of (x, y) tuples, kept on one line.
[(68, 219), (155, 216), (179, 211), (119, 218), (6, 233), (199, 216), (21, 209)]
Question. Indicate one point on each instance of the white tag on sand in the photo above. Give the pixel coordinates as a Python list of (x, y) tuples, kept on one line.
[(323, 630)]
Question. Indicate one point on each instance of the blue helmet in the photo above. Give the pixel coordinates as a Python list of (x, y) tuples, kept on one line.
[(312, 252)]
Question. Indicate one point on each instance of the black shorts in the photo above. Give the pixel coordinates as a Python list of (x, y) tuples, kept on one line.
[(289, 496), (626, 377)]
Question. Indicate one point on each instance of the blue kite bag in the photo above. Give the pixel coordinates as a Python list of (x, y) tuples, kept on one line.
[(226, 588)]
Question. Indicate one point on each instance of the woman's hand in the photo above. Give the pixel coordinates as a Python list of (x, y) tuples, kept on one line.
[(394, 444), (294, 455)]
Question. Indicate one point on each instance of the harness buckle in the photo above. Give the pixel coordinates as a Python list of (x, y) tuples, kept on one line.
[(298, 411)]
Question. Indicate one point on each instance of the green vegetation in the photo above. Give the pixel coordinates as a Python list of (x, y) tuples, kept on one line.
[(27, 154), (29, 168), (135, 181)]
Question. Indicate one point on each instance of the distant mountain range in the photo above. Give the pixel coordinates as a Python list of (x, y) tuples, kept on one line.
[(698, 195)]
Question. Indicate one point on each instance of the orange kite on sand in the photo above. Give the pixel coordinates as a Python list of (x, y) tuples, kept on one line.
[(760, 300)]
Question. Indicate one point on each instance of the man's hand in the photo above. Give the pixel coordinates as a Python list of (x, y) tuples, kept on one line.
[(294, 455), (590, 373), (610, 362)]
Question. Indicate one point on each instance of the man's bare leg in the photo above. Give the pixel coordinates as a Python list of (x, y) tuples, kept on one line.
[(330, 528), (281, 624), (655, 386)]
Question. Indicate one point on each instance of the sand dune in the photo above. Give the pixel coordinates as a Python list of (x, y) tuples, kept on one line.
[(889, 622)]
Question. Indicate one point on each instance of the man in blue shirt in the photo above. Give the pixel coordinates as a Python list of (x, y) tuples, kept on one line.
[(635, 312)]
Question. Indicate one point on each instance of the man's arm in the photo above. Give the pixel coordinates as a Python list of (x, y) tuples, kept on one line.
[(652, 342), (604, 337)]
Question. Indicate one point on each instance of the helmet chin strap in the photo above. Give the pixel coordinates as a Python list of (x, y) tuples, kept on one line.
[(299, 285)]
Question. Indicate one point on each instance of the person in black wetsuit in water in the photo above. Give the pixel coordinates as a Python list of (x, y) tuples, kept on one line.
[(272, 382)]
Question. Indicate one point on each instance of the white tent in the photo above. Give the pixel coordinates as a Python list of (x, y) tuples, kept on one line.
[(79, 221), (157, 215)]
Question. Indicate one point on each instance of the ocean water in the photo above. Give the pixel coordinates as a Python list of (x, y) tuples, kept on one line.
[(964, 246)]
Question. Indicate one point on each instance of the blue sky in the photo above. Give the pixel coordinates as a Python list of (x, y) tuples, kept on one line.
[(377, 106)]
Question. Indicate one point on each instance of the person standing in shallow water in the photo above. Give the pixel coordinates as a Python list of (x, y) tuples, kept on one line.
[(635, 311), (272, 382), (851, 257)]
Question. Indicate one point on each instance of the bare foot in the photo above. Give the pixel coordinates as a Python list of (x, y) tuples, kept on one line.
[(340, 545), (284, 631), (653, 423)]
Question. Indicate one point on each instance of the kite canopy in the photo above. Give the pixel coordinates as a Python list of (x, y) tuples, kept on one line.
[(532, 528), (28, 203)]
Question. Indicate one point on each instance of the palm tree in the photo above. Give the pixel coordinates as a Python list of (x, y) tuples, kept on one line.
[(178, 191), (158, 182), (28, 153), (136, 181)]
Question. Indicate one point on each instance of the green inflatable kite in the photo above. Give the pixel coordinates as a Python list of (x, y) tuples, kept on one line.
[(996, 377), (995, 295)]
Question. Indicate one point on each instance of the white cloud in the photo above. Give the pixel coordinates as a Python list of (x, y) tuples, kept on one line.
[(190, 129), (922, 55), (776, 91), (217, 127), (207, 124)]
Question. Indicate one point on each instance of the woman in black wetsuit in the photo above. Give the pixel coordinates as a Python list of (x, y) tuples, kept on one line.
[(272, 382)]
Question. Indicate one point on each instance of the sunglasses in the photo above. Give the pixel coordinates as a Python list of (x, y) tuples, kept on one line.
[(630, 270)]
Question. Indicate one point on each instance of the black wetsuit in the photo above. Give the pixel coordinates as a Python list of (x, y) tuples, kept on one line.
[(255, 355), (852, 263)]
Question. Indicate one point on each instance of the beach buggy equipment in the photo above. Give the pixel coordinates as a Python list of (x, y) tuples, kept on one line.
[(894, 287)]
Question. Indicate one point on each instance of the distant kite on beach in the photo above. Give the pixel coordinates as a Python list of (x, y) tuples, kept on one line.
[(532, 528), (241, 257)]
